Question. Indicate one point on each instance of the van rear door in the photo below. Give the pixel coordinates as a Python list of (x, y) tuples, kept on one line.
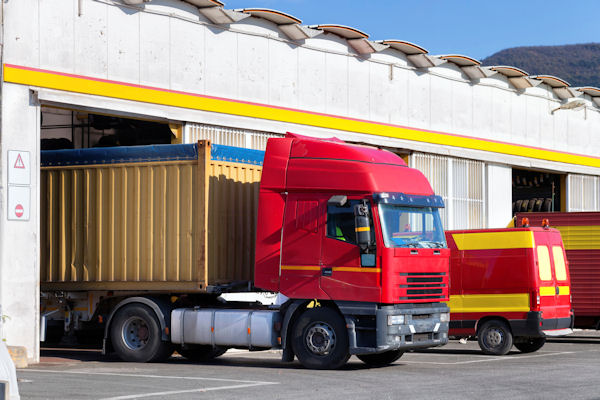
[(553, 279)]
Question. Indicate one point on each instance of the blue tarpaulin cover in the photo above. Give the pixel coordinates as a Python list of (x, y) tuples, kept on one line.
[(139, 154)]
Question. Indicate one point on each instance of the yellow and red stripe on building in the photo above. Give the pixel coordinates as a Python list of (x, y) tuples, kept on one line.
[(42, 78)]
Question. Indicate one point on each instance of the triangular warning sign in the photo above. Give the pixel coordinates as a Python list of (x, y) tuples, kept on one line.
[(19, 163)]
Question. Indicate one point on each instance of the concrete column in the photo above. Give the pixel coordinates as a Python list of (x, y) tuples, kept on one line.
[(20, 240), (499, 195)]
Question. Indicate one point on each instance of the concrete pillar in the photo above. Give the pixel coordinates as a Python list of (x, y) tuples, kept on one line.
[(20, 239)]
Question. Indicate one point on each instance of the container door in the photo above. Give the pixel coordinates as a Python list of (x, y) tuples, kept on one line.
[(547, 283)]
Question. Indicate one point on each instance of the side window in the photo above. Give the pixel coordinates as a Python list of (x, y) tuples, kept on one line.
[(560, 267), (340, 222), (544, 263)]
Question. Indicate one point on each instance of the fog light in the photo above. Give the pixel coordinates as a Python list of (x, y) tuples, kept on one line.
[(395, 319), (444, 317)]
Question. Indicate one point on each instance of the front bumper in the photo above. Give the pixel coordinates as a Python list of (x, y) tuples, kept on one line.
[(422, 328)]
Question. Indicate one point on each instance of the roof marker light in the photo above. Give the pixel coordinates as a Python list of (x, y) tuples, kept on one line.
[(546, 223), (525, 222)]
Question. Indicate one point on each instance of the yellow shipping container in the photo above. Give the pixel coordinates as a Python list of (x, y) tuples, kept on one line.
[(168, 223)]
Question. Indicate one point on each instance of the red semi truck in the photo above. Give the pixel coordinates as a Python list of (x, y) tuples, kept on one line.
[(581, 234), (349, 234), (508, 286)]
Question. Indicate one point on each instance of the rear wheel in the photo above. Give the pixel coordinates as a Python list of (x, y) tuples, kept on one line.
[(495, 337), (381, 359), (529, 344), (320, 339), (202, 352), (136, 335)]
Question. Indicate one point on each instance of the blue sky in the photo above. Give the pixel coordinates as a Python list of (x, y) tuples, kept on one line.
[(476, 28)]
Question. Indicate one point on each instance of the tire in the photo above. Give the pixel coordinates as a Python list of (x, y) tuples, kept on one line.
[(202, 352), (495, 337), (381, 359), (530, 344), (320, 339), (136, 335)]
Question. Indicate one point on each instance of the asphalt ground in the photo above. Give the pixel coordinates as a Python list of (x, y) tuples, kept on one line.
[(566, 367)]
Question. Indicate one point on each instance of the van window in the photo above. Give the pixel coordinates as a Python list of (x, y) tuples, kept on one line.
[(544, 263), (559, 263)]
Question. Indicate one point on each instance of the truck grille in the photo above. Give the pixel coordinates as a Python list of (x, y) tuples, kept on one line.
[(423, 285)]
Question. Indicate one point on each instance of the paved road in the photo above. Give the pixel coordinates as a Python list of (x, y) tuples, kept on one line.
[(563, 368)]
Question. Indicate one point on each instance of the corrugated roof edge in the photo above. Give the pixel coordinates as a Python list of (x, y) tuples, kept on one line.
[(144, 154)]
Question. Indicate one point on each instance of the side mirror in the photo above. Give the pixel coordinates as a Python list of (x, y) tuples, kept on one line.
[(362, 226)]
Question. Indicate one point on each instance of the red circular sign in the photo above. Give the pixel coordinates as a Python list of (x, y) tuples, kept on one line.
[(19, 211)]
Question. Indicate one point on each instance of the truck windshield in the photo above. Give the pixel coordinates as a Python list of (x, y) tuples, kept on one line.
[(411, 226)]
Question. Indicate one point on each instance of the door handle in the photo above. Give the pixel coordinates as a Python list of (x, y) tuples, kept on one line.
[(557, 290), (326, 271)]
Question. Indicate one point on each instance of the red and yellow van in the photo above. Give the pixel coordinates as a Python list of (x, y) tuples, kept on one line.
[(509, 286)]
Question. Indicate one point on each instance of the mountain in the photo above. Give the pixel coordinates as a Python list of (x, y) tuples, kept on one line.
[(578, 64)]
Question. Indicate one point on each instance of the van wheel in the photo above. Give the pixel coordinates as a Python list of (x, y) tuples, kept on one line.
[(136, 336), (320, 339), (495, 337), (529, 344), (201, 353), (381, 359)]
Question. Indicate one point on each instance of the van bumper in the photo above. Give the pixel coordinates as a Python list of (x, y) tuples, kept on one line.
[(536, 326)]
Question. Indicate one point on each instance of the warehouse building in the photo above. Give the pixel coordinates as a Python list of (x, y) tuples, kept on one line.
[(88, 73)]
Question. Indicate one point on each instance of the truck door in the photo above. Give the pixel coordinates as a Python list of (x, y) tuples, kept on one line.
[(345, 275), (301, 247)]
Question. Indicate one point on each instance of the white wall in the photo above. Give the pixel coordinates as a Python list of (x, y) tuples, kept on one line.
[(19, 245), (251, 60), (499, 195)]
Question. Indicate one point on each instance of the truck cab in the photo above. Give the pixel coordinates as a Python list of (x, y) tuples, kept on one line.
[(355, 229), (509, 286)]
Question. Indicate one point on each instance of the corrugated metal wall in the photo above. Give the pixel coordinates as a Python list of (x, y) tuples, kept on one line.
[(136, 226), (583, 193), (461, 183), (244, 138)]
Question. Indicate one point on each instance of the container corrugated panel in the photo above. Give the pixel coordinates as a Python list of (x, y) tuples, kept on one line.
[(135, 218), (581, 236)]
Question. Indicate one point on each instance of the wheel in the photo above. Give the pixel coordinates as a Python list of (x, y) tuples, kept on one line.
[(136, 335), (495, 337), (201, 352), (320, 339), (381, 359), (529, 344)]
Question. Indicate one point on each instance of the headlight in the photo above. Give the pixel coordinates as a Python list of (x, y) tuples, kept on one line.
[(395, 319), (444, 317)]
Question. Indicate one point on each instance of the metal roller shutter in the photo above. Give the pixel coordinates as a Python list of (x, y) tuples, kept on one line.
[(583, 193), (245, 138), (461, 183)]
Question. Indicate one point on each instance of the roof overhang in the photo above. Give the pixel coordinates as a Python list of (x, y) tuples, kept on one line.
[(357, 39), (592, 91), (217, 14), (559, 86), (470, 66), (516, 76), (288, 24)]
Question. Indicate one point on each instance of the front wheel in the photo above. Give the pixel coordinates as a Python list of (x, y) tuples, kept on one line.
[(495, 337), (320, 339), (136, 335), (529, 345), (381, 359)]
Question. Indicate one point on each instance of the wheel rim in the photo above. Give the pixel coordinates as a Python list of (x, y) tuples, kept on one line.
[(135, 333), (494, 337), (320, 338)]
